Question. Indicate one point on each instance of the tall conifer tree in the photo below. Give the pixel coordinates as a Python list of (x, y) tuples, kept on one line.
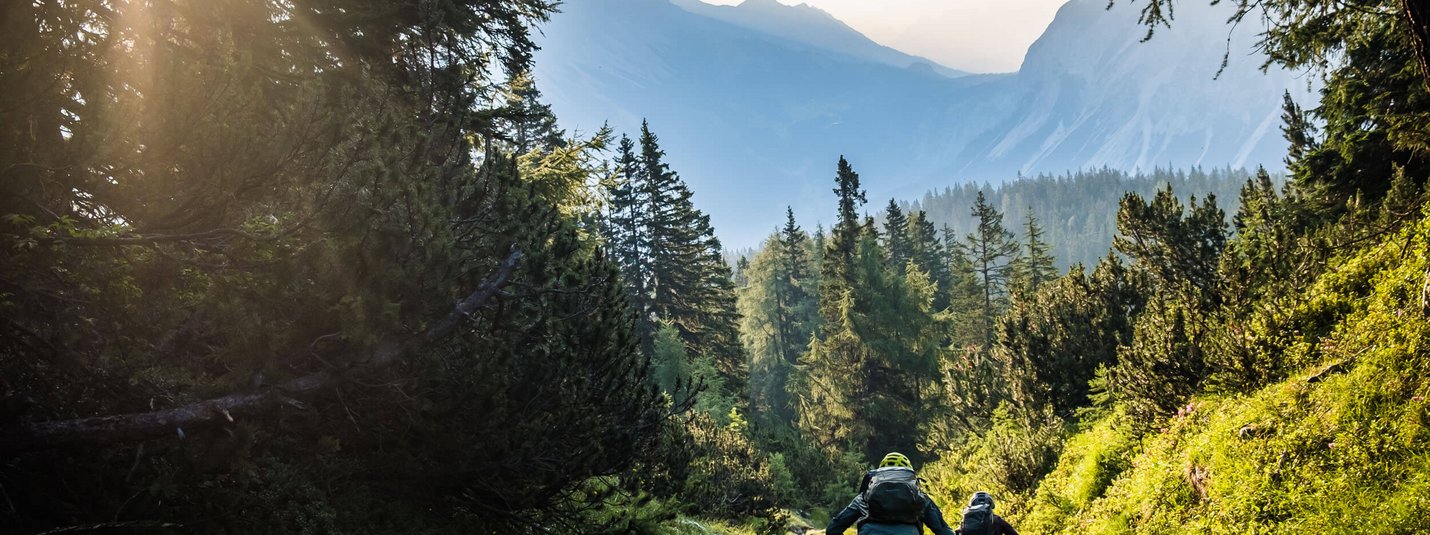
[(929, 253), (864, 381), (778, 314), (990, 249), (835, 275), (896, 236), (1035, 266), (673, 262), (628, 238)]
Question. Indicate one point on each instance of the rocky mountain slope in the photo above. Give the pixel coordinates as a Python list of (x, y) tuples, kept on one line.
[(755, 103)]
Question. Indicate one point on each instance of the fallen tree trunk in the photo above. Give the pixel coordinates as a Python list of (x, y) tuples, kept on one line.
[(223, 410)]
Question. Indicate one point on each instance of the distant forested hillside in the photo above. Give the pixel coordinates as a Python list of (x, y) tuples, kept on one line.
[(1078, 211)]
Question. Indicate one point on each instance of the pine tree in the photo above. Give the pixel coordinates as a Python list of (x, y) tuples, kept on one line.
[(843, 242), (928, 252), (1035, 266), (1274, 253), (896, 236), (1177, 250), (990, 249), (1180, 249), (1055, 341), (690, 285), (530, 123), (628, 238), (778, 315), (1163, 365)]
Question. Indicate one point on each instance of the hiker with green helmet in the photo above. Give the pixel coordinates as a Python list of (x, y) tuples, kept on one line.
[(978, 518), (890, 503)]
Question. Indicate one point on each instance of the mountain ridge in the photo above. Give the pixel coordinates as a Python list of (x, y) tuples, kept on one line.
[(755, 120), (818, 28)]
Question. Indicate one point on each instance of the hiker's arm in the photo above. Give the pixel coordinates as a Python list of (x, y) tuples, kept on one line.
[(933, 518), (1004, 528), (845, 518)]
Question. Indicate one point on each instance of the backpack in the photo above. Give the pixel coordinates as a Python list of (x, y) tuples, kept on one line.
[(893, 497), (977, 520)]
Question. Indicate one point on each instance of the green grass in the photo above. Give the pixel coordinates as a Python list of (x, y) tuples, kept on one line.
[(1090, 461), (696, 526), (1341, 446)]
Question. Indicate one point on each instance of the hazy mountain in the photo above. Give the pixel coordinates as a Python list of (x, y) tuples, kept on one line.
[(814, 27), (754, 104), (1091, 94)]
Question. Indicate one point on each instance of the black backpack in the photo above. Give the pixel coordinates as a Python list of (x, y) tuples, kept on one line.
[(893, 497), (977, 520)]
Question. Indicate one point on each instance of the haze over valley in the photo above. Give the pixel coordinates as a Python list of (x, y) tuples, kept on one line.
[(754, 103)]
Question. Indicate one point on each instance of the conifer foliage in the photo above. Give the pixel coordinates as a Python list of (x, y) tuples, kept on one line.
[(778, 314), (991, 250), (673, 264), (274, 267), (867, 383)]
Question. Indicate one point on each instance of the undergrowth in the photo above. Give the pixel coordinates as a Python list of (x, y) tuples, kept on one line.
[(1343, 444)]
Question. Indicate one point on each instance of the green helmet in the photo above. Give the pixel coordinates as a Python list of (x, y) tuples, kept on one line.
[(896, 459)]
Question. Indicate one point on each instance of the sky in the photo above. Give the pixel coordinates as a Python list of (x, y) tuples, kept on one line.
[(972, 35)]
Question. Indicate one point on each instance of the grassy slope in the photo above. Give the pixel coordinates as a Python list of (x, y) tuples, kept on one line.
[(1342, 446)]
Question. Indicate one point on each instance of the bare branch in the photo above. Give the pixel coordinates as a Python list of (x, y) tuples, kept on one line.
[(106, 526)]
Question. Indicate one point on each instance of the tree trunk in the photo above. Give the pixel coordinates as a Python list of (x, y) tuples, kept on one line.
[(1417, 20)]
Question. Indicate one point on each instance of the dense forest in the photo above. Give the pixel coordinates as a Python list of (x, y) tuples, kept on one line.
[(1077, 211), (334, 267)]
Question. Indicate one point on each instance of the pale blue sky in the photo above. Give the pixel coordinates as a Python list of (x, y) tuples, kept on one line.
[(974, 35)]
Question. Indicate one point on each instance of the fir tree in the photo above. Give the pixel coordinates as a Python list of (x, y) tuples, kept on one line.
[(843, 241), (312, 199), (690, 285), (929, 253), (793, 291), (870, 378), (530, 123), (778, 315), (1373, 58), (628, 238), (741, 276), (1035, 266), (896, 236), (990, 250), (1298, 129)]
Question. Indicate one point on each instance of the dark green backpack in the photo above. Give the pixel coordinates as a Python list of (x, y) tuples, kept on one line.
[(893, 497)]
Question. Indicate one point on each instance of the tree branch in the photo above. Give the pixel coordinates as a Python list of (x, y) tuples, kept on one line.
[(221, 410), (1417, 21), (161, 238)]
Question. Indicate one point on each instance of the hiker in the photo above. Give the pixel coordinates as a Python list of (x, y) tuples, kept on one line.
[(978, 518), (890, 503)]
